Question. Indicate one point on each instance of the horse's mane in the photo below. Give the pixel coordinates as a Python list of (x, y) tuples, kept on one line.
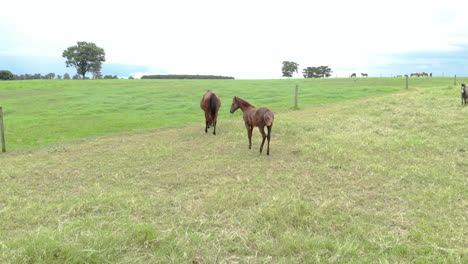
[(243, 102)]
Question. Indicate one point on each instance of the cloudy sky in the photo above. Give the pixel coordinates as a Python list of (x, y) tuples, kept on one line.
[(244, 38)]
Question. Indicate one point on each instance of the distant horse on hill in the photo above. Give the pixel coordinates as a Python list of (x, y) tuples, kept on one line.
[(464, 93), (364, 74), (353, 75), (259, 117), (210, 104)]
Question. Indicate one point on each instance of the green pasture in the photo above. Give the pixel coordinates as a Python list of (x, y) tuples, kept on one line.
[(364, 172), (42, 112)]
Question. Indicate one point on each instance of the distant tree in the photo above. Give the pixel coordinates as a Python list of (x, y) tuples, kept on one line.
[(66, 76), (108, 77), (19, 77), (97, 75), (6, 75), (59, 77), (325, 71), (37, 76), (85, 57), (49, 76), (310, 72), (131, 78), (317, 72), (115, 77), (289, 67), (77, 77)]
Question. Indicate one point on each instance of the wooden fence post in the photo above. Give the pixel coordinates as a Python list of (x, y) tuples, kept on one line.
[(455, 81), (406, 81), (2, 130), (295, 98)]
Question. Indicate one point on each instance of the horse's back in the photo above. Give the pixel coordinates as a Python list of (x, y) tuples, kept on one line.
[(265, 115)]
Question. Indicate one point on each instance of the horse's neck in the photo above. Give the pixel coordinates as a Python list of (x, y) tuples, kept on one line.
[(244, 105)]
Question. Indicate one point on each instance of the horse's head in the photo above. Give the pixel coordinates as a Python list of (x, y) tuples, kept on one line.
[(235, 105)]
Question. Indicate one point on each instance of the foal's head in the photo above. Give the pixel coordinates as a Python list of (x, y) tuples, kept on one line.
[(235, 105)]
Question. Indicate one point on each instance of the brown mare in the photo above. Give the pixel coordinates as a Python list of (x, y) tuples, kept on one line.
[(210, 103), (253, 116)]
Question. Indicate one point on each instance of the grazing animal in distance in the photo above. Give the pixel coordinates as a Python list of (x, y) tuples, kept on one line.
[(464, 94), (210, 103), (364, 74), (259, 117), (352, 75)]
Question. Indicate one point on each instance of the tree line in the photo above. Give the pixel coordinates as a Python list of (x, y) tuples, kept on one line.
[(177, 76), (7, 75), (289, 67)]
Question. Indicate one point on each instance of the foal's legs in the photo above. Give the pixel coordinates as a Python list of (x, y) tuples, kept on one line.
[(268, 137), (262, 130), (249, 134)]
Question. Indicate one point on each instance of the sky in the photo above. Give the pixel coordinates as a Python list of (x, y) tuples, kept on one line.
[(245, 39)]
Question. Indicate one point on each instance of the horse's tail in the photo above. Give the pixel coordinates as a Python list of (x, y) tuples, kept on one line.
[(213, 106), (268, 118)]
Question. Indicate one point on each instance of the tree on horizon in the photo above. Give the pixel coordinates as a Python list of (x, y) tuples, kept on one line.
[(289, 67), (85, 57)]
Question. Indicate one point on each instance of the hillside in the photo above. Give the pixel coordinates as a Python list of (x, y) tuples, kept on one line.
[(374, 179)]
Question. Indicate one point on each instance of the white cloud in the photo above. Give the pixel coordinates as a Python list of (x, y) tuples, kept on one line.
[(244, 38)]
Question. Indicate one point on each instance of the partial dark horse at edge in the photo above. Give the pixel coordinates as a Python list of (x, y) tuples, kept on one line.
[(464, 94), (210, 103)]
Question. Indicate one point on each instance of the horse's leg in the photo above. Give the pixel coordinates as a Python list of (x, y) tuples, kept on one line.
[(249, 134), (262, 130), (214, 128), (268, 137), (206, 124)]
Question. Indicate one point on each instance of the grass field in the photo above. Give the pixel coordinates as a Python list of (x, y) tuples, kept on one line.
[(43, 112), (364, 172)]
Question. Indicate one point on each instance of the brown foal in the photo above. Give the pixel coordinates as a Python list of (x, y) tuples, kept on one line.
[(210, 103), (259, 117)]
